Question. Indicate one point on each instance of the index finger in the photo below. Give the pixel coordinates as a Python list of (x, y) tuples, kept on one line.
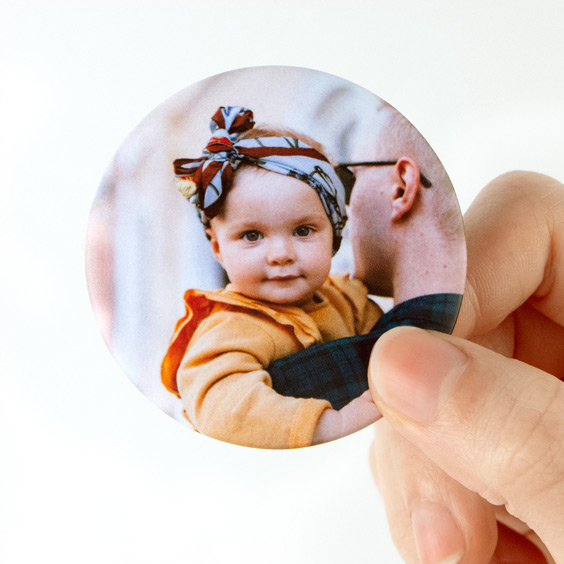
[(515, 238)]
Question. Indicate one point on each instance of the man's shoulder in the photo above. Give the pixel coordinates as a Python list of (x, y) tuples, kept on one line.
[(437, 312), (337, 370)]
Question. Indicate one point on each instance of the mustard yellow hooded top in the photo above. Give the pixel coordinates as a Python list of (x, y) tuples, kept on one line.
[(217, 357)]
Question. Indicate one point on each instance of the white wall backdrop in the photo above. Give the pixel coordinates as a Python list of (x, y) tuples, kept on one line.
[(93, 471)]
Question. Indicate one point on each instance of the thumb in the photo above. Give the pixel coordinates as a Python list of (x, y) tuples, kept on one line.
[(494, 424)]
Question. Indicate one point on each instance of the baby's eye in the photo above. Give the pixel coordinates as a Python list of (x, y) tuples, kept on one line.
[(251, 236), (303, 231)]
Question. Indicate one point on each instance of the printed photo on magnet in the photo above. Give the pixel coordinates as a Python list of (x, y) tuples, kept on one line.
[(251, 240)]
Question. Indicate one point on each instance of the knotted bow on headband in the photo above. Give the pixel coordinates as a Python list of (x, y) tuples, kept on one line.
[(206, 180)]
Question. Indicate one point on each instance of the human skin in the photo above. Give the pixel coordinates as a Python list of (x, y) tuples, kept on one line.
[(473, 423), (399, 247), (273, 238)]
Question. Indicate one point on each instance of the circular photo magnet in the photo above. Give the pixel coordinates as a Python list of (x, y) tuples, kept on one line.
[(252, 239)]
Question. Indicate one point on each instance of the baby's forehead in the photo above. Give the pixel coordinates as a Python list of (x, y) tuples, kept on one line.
[(289, 198), (245, 171), (270, 197), (254, 181)]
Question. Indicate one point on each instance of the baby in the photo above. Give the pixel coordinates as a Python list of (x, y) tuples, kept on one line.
[(274, 210)]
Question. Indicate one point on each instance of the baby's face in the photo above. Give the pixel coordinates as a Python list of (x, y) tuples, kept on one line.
[(273, 237)]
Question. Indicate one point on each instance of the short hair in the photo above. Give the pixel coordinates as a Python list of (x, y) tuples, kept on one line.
[(400, 138)]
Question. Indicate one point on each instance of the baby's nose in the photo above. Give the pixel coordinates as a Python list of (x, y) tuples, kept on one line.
[(281, 251)]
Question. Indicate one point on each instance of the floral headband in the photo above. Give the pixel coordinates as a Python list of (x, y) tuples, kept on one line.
[(206, 180)]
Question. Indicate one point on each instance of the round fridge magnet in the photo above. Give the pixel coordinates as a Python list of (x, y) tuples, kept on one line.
[(252, 239)]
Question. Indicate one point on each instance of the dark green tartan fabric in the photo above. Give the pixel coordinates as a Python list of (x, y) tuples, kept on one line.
[(336, 371)]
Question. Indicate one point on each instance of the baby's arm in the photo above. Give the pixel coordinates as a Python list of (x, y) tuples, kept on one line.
[(356, 415), (227, 393)]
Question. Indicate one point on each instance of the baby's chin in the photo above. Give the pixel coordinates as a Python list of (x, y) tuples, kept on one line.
[(281, 298)]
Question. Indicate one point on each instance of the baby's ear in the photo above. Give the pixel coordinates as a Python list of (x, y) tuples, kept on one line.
[(210, 233)]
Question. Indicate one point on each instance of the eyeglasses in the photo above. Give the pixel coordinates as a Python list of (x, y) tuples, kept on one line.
[(347, 177)]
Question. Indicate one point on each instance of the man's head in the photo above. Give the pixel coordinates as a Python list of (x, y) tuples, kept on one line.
[(396, 206)]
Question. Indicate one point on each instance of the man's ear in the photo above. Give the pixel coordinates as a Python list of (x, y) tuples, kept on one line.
[(214, 244), (406, 189)]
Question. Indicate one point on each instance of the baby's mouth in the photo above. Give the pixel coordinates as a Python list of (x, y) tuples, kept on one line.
[(284, 278)]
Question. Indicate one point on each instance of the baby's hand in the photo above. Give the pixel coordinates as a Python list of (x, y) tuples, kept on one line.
[(359, 413), (356, 415)]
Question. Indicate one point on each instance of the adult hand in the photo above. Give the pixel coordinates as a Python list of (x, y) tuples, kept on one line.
[(472, 436)]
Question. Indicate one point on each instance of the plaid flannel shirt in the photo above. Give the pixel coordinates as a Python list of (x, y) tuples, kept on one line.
[(337, 370)]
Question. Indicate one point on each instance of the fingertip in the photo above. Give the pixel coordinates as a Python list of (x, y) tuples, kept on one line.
[(438, 537), (412, 371)]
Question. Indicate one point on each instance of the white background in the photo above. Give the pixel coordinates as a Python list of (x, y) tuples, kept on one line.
[(92, 471)]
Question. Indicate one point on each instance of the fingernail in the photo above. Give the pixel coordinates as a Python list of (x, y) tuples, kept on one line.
[(438, 537), (414, 371)]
